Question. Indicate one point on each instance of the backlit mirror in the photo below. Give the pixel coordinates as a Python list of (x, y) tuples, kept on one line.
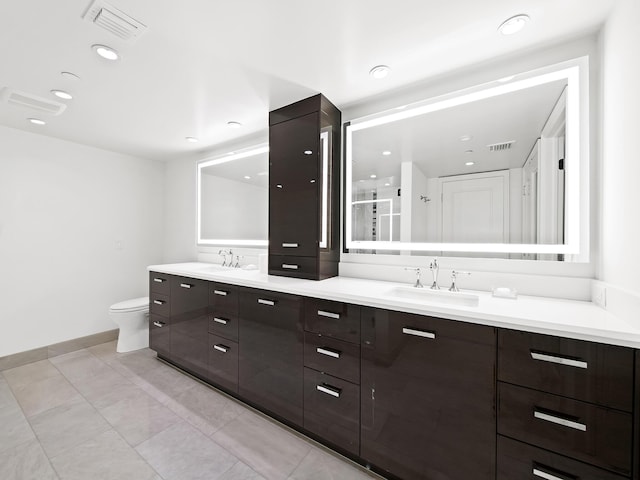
[(496, 170), (233, 198)]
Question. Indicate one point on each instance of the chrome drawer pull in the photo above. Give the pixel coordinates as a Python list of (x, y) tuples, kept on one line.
[(322, 313), (547, 476), (159, 280), (288, 266), (327, 352), (220, 292), (220, 320), (266, 302), (559, 420), (186, 285), (545, 357), (418, 333), (159, 302), (289, 245), (334, 392), (158, 324), (221, 348)]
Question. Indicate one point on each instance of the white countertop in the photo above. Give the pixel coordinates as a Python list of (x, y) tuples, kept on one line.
[(566, 318)]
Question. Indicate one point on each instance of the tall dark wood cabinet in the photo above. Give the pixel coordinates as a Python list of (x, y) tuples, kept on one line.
[(304, 189), (428, 396)]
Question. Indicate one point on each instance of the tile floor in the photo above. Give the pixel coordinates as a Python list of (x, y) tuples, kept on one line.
[(95, 414)]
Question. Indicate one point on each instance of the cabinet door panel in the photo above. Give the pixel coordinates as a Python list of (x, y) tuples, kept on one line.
[(223, 362), (428, 396), (271, 352)]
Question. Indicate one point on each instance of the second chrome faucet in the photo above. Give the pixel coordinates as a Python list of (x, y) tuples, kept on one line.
[(435, 268)]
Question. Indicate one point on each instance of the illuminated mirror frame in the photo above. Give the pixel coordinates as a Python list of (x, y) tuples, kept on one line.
[(576, 72), (249, 152)]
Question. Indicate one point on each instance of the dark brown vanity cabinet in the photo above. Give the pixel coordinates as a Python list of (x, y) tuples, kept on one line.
[(223, 335), (428, 396), (304, 188), (571, 397), (271, 352), (159, 313)]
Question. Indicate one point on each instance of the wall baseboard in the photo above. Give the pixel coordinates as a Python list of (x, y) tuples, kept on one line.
[(55, 349)]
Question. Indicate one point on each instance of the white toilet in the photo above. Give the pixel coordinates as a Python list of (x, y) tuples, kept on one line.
[(132, 316)]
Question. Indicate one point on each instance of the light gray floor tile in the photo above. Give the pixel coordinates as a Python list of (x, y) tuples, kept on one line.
[(138, 418), (7, 400), (105, 457), (140, 362), (266, 447), (106, 389), (26, 462), (37, 397), (321, 465), (80, 365), (67, 425), (14, 428), (33, 372), (241, 471), (183, 453), (167, 380), (105, 351)]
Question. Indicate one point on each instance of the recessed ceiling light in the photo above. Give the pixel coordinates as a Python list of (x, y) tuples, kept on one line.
[(387, 184), (379, 71), (308, 152), (373, 176), (386, 153), (191, 139), (247, 177), (105, 52), (465, 138), (62, 94), (70, 75), (37, 121), (468, 164), (513, 25), (234, 124)]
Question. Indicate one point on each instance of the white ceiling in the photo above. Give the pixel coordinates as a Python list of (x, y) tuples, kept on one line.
[(202, 63)]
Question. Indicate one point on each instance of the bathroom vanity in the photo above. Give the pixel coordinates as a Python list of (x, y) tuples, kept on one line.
[(413, 388)]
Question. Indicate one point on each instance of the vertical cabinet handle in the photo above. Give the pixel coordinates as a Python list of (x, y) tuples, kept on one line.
[(220, 292), (323, 313), (158, 324), (289, 245), (546, 357), (262, 301), (329, 390), (541, 471), (418, 333), (221, 348), (559, 419), (158, 280), (328, 352), (222, 321), (186, 285)]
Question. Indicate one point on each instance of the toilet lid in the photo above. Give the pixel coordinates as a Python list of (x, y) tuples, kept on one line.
[(132, 305)]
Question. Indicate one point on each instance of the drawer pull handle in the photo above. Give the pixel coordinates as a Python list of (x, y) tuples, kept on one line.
[(158, 324), (186, 285), (220, 292), (221, 348), (565, 422), (545, 357), (543, 472), (262, 301), (159, 302), (418, 333), (222, 321), (288, 266), (327, 352), (322, 313), (158, 280), (329, 390), (289, 245)]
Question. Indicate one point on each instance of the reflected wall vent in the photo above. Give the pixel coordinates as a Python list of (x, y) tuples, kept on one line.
[(23, 99), (115, 21), (498, 147)]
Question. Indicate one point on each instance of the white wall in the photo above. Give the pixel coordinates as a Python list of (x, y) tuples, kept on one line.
[(78, 227), (620, 168)]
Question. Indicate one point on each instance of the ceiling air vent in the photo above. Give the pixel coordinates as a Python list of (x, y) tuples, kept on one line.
[(115, 21), (23, 99), (499, 147)]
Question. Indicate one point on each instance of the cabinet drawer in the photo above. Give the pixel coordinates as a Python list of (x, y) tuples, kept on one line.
[(593, 434), (291, 266), (188, 296), (335, 357), (223, 299), (159, 334), (224, 325), (223, 362), (592, 372), (159, 283), (520, 461), (159, 304), (332, 319), (332, 409)]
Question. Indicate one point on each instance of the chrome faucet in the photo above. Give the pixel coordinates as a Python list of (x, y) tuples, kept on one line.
[(237, 264), (454, 277), (435, 268), (418, 283), (223, 254)]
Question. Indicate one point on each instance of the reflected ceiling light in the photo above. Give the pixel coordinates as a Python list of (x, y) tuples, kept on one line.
[(465, 138), (379, 71), (308, 152), (37, 121), (191, 139), (513, 25), (247, 177), (506, 79), (233, 124), (262, 174), (468, 164), (69, 75), (373, 176), (386, 153), (387, 184), (62, 94), (105, 52)]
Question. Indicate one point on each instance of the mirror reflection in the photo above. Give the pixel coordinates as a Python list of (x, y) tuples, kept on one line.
[(233, 198)]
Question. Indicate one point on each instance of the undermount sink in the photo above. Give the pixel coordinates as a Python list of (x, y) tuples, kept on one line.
[(436, 296)]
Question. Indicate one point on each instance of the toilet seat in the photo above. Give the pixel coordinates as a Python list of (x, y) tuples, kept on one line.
[(133, 305)]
